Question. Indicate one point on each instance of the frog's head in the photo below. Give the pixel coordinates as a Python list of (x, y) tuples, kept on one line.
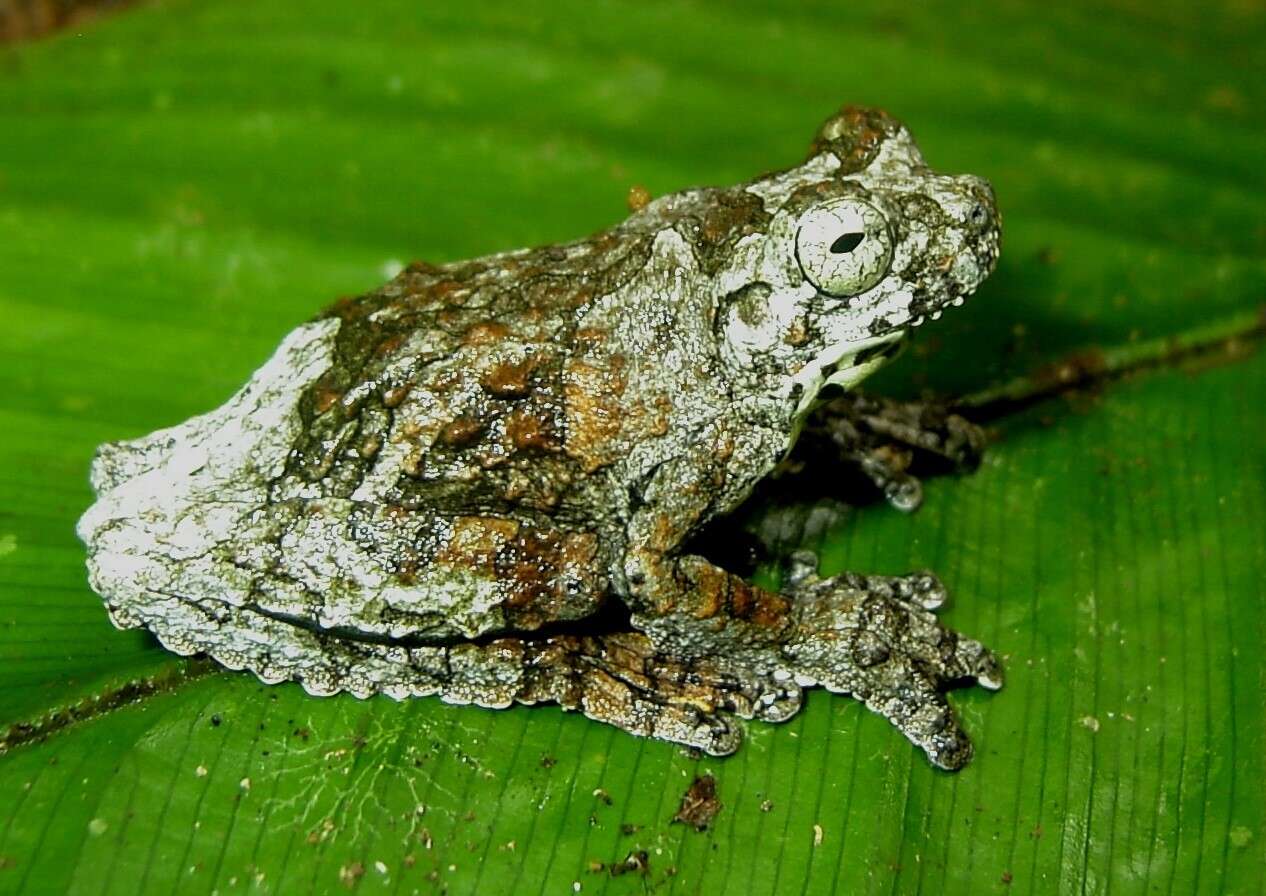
[(886, 242), (864, 243)]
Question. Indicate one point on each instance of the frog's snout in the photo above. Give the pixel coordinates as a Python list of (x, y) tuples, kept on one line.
[(982, 221)]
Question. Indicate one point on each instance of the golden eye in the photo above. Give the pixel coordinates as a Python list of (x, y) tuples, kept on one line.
[(843, 246)]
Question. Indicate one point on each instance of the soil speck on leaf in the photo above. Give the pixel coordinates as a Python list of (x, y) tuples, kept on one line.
[(1071, 370), (637, 862), (699, 804), (351, 873)]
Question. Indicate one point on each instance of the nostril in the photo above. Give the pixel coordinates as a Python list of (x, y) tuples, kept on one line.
[(978, 216)]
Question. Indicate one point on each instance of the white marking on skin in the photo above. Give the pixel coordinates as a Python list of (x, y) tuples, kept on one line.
[(224, 455), (167, 498), (812, 377)]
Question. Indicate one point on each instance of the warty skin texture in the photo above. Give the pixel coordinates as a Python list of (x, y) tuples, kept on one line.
[(477, 480)]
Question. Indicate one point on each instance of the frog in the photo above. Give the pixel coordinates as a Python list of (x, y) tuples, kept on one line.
[(481, 480)]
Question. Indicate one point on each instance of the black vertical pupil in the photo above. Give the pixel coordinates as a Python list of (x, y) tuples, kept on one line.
[(847, 243)]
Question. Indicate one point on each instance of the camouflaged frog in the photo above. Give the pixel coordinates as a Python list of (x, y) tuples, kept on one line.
[(478, 480)]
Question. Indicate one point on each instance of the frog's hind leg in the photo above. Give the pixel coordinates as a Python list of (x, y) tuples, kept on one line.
[(620, 679), (616, 678), (882, 438)]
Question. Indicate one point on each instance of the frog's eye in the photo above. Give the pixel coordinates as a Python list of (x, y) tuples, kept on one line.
[(844, 246)]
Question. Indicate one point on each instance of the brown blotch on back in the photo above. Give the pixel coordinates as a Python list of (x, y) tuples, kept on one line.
[(659, 417), (531, 431), (461, 432), (510, 379), (589, 338), (854, 135), (475, 542), (395, 395), (420, 267), (347, 308), (595, 406), (488, 332), (797, 333), (445, 288), (324, 399), (535, 567), (531, 565), (389, 345)]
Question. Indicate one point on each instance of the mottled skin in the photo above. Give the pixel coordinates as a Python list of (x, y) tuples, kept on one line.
[(478, 480)]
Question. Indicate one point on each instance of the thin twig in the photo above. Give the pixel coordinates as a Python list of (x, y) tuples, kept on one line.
[(1226, 339)]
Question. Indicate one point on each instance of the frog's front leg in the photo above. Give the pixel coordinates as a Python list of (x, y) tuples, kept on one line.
[(872, 637), (882, 438)]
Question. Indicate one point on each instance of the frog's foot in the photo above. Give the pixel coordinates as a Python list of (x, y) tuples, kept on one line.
[(873, 637), (622, 680), (799, 568), (882, 438)]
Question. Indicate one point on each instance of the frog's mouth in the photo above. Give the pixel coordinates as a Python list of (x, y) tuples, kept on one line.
[(953, 284), (932, 297), (925, 311), (844, 364), (851, 368), (900, 311)]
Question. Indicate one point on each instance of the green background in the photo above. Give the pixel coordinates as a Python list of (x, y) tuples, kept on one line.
[(183, 183)]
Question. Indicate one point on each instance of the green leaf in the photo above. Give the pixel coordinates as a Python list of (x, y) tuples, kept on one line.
[(183, 183)]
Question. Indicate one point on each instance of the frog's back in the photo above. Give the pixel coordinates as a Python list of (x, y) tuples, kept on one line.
[(452, 454), (394, 471), (451, 387), (520, 383)]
